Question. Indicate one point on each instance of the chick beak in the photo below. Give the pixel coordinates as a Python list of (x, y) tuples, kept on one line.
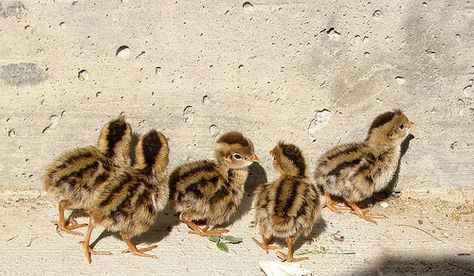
[(410, 124), (255, 158)]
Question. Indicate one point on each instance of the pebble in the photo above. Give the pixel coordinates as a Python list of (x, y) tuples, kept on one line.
[(384, 204), (123, 51)]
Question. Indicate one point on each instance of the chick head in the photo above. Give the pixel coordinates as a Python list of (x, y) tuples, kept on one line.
[(152, 152), (234, 150), (288, 160), (389, 128)]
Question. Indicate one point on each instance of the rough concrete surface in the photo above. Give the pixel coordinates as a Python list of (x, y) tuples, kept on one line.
[(314, 73)]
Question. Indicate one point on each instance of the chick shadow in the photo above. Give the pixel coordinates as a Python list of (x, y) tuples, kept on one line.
[(257, 176), (164, 223), (421, 265)]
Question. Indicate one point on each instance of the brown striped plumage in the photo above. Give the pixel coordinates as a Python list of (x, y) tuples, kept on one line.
[(211, 191), (75, 175), (128, 202), (289, 206), (355, 171)]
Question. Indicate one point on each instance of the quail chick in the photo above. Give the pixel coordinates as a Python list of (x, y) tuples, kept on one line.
[(355, 171), (289, 206), (75, 175), (211, 191), (129, 200)]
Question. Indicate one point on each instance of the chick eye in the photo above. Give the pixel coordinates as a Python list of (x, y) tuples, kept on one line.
[(274, 158), (402, 126), (237, 156)]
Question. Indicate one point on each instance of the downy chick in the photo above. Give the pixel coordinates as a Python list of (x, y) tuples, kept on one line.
[(289, 206), (212, 191), (129, 201), (75, 175), (355, 171)]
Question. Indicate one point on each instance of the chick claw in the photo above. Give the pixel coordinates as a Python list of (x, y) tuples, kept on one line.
[(68, 226), (210, 233), (267, 247), (141, 252), (285, 258), (370, 217), (88, 251)]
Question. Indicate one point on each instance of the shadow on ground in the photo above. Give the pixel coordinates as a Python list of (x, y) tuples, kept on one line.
[(257, 176), (411, 265)]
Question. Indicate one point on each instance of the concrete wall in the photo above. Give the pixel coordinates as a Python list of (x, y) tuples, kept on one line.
[(310, 72)]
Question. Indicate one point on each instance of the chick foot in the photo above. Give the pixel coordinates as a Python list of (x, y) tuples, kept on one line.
[(139, 252), (336, 208), (289, 258), (370, 217), (88, 251), (266, 245), (68, 226), (204, 232)]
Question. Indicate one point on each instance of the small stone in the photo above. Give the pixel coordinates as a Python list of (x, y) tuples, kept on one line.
[(123, 51), (83, 75), (400, 80), (377, 14), (384, 204), (188, 114), (247, 6), (214, 131)]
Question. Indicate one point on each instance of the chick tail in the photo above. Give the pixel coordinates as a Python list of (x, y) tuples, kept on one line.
[(280, 221)]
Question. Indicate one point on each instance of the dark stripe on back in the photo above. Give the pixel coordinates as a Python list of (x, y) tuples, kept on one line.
[(126, 204), (175, 176), (73, 159), (151, 146), (293, 153), (80, 172), (195, 186), (337, 170), (278, 193), (351, 148), (117, 189), (291, 199), (116, 132), (219, 195)]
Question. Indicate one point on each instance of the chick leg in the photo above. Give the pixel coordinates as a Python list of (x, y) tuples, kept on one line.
[(139, 252), (333, 206), (202, 231), (88, 251), (365, 214), (266, 244), (289, 257), (64, 225)]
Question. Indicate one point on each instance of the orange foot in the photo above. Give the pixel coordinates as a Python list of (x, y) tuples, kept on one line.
[(266, 245), (336, 208), (88, 251), (139, 252), (365, 214), (68, 226), (289, 258)]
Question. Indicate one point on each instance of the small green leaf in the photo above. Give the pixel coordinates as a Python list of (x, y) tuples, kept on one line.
[(232, 239), (222, 246), (215, 239)]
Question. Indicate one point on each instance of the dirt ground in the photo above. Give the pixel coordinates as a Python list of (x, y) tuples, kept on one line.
[(423, 235)]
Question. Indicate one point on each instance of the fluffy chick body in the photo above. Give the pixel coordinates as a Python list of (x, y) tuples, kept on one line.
[(289, 206), (130, 199), (75, 176), (355, 171), (212, 191)]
